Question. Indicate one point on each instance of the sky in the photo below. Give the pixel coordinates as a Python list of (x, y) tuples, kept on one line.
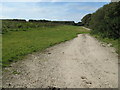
[(60, 11)]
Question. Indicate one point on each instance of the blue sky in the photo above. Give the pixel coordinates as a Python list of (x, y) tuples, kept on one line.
[(68, 11)]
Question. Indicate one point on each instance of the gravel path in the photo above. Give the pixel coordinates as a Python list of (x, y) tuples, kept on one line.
[(79, 63)]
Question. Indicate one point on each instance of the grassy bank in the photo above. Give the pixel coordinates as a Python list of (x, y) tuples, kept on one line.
[(17, 44), (115, 42)]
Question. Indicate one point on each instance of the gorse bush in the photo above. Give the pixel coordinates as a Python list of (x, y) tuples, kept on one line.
[(105, 21)]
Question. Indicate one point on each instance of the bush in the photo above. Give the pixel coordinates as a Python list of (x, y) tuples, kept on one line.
[(105, 21)]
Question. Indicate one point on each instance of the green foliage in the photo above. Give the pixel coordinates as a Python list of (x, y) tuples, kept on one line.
[(18, 25), (86, 20), (9, 25), (15, 72), (105, 21)]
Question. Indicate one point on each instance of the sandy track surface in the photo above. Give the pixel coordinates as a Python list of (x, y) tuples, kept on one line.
[(79, 63), (86, 28)]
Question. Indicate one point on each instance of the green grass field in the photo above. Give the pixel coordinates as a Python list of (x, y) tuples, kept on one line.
[(17, 44)]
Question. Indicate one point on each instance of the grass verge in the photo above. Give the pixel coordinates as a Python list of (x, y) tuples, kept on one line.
[(115, 43), (17, 44)]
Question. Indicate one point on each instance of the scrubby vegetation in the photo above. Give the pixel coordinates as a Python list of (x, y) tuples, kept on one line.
[(105, 23), (21, 38), (19, 24)]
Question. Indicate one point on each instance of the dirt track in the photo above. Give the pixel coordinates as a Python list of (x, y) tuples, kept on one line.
[(79, 63)]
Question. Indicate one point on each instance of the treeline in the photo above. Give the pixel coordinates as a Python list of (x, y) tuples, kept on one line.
[(105, 21), (41, 21), (58, 22)]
